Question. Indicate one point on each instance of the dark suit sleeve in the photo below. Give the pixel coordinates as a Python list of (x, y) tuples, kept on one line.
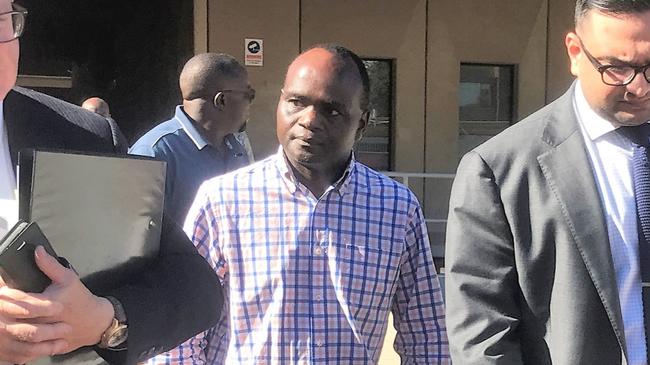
[(119, 141), (482, 293), (175, 299)]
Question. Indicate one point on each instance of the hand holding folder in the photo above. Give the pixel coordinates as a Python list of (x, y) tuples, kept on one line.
[(102, 213)]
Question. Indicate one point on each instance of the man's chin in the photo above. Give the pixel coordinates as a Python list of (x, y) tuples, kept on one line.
[(626, 119)]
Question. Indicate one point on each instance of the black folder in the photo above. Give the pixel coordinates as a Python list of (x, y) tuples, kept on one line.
[(103, 213)]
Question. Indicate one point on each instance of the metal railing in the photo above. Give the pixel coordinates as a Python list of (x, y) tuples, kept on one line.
[(404, 179)]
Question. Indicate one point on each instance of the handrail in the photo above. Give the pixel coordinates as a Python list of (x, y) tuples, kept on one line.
[(404, 176)]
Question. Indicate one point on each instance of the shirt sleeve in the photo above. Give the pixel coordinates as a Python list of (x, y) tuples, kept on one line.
[(418, 307), (191, 352), (200, 228)]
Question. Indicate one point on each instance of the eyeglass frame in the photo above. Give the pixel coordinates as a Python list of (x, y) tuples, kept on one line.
[(17, 10), (248, 93), (603, 68)]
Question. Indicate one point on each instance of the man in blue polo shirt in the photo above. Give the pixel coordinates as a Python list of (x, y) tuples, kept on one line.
[(198, 142)]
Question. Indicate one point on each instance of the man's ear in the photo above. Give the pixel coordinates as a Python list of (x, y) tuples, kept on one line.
[(574, 50), (363, 123), (219, 100)]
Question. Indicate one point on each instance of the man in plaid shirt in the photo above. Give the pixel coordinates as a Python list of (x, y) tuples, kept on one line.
[(313, 248)]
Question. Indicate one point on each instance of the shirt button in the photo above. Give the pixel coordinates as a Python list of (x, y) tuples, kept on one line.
[(318, 250), (319, 297), (320, 343)]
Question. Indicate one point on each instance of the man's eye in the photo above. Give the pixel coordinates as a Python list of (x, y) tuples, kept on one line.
[(295, 103), (620, 71), (334, 113)]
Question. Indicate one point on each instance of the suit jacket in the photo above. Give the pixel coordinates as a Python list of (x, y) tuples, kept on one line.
[(176, 297), (530, 278)]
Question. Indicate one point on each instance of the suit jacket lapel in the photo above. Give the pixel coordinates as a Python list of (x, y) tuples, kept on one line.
[(567, 169)]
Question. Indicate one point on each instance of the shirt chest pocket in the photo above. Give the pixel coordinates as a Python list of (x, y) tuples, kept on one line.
[(364, 269)]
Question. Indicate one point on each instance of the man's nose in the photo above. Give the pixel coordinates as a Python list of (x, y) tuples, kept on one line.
[(639, 86), (310, 118)]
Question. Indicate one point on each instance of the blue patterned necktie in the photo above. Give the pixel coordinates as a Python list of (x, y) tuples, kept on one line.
[(639, 135)]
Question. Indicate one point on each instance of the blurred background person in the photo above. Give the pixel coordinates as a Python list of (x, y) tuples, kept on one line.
[(199, 142)]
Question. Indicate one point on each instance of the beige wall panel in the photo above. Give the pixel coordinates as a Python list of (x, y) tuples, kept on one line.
[(200, 26), (496, 31), (532, 69), (230, 21), (382, 29), (488, 31), (560, 22)]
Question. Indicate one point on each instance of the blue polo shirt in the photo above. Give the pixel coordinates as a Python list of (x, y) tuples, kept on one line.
[(190, 159)]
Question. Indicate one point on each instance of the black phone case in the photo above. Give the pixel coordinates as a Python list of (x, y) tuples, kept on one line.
[(17, 263)]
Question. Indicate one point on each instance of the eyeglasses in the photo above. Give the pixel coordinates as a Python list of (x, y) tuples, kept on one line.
[(248, 93), (616, 75), (12, 23)]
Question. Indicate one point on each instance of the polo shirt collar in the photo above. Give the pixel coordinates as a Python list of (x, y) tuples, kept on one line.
[(189, 128)]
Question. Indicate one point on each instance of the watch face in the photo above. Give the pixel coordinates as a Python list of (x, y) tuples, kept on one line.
[(118, 336)]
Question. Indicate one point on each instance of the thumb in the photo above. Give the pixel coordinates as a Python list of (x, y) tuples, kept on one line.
[(2, 283), (50, 266)]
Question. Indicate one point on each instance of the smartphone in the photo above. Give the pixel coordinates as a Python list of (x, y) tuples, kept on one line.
[(18, 266)]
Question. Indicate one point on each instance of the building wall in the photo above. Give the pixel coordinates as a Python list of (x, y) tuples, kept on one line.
[(560, 22), (229, 23), (489, 31), (427, 40)]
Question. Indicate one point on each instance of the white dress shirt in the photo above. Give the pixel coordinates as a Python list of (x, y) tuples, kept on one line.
[(611, 159), (8, 201)]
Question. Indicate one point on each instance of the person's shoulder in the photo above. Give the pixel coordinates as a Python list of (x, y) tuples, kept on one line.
[(38, 110), (376, 182), (155, 139), (528, 137), (254, 175), (24, 98)]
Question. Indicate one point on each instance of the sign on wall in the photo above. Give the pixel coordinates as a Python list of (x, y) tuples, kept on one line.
[(253, 52)]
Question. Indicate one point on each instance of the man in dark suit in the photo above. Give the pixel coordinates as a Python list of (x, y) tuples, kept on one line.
[(543, 248), (172, 300)]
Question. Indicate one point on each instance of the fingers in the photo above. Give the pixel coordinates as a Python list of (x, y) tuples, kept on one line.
[(20, 305), (51, 267), (34, 333), (19, 352)]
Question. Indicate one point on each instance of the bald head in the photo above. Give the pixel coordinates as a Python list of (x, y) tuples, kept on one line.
[(204, 74), (97, 105), (343, 60)]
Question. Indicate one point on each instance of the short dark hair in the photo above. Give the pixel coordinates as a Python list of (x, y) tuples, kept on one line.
[(202, 73), (344, 54), (610, 6)]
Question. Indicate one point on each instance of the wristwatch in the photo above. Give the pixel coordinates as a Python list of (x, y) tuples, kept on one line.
[(116, 334)]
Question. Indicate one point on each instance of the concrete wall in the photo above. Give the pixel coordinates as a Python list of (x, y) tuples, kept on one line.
[(230, 22), (382, 29), (490, 31), (560, 22)]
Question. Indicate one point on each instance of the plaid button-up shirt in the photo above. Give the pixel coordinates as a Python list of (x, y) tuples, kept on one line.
[(311, 280)]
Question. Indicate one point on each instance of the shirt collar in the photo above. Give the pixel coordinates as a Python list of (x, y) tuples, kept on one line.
[(340, 186), (2, 115), (594, 125), (189, 128)]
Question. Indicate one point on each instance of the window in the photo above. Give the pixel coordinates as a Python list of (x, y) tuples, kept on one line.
[(485, 101), (374, 149)]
